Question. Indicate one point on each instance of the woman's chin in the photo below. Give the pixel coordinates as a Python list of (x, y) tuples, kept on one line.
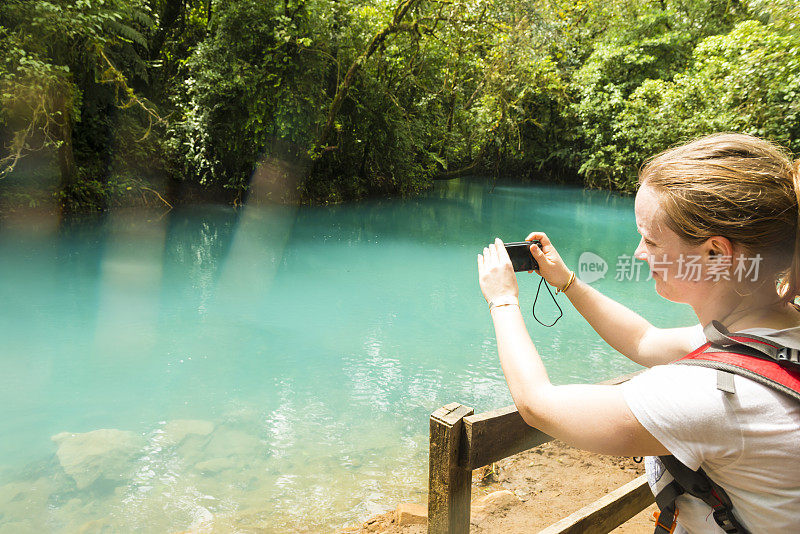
[(670, 293), (662, 289)]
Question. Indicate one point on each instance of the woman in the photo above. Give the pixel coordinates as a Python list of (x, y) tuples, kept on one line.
[(717, 199)]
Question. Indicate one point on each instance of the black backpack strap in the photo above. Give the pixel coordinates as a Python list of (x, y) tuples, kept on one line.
[(665, 523), (698, 484)]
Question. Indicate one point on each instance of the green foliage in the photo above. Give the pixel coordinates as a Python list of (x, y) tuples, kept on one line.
[(327, 100), (64, 76), (746, 81), (250, 81)]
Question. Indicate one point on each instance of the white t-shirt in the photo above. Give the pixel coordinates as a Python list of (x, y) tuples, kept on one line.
[(748, 442)]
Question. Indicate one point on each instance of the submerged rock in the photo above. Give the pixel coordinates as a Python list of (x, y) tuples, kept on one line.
[(99, 526), (23, 505), (99, 454), (228, 442), (176, 431), (214, 466)]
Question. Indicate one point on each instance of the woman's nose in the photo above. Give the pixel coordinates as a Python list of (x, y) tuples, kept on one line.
[(641, 252)]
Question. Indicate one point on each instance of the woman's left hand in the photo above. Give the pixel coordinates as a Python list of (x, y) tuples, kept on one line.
[(495, 272)]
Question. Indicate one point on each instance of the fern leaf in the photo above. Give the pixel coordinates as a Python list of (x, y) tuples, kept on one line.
[(126, 33)]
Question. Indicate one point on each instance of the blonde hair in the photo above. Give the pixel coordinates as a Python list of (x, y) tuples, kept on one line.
[(739, 187)]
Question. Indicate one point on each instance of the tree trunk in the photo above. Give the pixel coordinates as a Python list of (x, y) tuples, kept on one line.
[(66, 155), (341, 92), (168, 17)]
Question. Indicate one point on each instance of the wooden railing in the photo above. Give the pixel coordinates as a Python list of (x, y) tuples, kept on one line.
[(461, 442)]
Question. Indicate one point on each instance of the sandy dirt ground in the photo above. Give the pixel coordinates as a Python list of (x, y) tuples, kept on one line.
[(548, 483)]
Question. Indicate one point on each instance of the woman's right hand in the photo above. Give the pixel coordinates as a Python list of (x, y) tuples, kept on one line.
[(551, 267)]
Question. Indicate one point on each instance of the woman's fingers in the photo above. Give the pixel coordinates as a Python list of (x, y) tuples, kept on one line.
[(502, 253), (541, 236), (496, 274), (494, 254), (539, 256)]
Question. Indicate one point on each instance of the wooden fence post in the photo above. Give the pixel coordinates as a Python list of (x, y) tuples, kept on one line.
[(448, 484)]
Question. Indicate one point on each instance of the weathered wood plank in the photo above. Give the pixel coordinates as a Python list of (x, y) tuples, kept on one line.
[(449, 484), (608, 512), (492, 436)]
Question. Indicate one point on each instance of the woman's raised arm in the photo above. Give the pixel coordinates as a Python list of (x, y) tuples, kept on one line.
[(595, 418), (625, 330)]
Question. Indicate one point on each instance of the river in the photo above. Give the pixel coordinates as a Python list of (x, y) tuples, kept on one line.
[(272, 367)]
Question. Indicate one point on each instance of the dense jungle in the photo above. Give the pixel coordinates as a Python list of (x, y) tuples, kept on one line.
[(110, 102)]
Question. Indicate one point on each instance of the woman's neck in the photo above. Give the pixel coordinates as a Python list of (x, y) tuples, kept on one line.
[(777, 317), (753, 310)]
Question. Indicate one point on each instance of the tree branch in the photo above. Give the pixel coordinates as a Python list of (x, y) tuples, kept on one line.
[(341, 92)]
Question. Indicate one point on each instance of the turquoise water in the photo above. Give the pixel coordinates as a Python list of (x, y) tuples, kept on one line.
[(272, 367)]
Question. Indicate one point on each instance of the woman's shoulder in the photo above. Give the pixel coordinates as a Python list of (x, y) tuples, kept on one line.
[(692, 390), (694, 383), (683, 408), (673, 378), (696, 336)]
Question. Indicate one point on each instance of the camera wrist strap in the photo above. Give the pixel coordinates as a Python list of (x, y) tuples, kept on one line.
[(533, 308)]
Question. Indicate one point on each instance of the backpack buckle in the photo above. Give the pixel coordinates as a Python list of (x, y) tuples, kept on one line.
[(669, 529), (785, 354), (723, 518)]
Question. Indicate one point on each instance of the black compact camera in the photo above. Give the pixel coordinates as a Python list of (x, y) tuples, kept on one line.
[(521, 257)]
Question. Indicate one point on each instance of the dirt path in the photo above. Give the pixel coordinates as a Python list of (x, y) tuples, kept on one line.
[(546, 484)]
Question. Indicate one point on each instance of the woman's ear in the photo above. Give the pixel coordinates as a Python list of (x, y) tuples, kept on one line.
[(718, 246)]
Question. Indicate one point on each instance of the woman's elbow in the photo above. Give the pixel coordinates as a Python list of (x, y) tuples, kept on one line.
[(527, 415), (534, 410)]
